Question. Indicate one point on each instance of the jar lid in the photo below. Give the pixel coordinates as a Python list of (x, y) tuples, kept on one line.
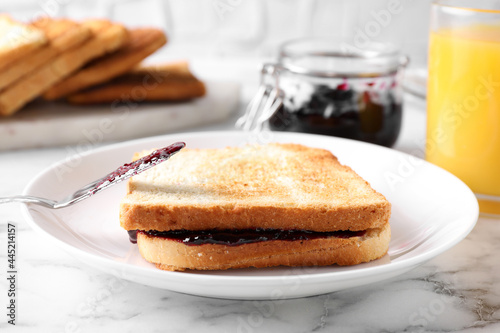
[(327, 58)]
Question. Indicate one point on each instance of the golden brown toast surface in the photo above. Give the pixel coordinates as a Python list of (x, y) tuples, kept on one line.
[(280, 186), (141, 43), (105, 37), (17, 39), (62, 35), (163, 82)]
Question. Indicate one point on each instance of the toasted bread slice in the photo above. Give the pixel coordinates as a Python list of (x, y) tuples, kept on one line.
[(274, 186), (105, 37), (62, 35), (17, 39), (172, 255), (142, 43), (164, 82)]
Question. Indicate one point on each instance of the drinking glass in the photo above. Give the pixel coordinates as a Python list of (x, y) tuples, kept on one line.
[(463, 95)]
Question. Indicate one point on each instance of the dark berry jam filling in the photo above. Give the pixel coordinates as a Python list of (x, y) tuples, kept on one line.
[(241, 236), (132, 236)]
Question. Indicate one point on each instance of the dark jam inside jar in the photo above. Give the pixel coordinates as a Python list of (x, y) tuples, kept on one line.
[(359, 108)]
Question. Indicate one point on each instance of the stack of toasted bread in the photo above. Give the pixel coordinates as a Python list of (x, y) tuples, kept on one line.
[(88, 62)]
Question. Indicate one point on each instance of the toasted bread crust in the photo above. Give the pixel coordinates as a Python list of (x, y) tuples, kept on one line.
[(279, 186), (17, 39), (104, 38), (164, 218), (141, 43), (166, 82), (62, 35), (175, 256)]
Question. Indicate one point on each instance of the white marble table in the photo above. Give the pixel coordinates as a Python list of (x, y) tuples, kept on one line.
[(457, 291)]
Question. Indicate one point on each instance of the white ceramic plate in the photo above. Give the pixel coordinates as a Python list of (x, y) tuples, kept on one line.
[(432, 211)]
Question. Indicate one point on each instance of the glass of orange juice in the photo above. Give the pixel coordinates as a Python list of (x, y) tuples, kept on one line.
[(463, 95)]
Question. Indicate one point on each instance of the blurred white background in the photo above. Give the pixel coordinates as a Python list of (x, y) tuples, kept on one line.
[(242, 29)]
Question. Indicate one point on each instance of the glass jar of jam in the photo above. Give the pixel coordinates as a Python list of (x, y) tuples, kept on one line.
[(339, 91)]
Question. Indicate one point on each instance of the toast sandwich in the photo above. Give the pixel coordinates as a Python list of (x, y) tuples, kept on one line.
[(254, 206)]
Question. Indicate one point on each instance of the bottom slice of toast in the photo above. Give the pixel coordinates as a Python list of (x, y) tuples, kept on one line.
[(173, 255)]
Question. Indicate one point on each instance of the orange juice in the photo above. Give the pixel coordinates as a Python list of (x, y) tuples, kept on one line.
[(463, 105)]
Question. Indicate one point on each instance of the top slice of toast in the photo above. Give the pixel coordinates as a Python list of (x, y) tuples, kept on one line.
[(280, 186)]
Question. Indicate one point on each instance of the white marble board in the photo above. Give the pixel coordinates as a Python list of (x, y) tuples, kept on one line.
[(44, 124)]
